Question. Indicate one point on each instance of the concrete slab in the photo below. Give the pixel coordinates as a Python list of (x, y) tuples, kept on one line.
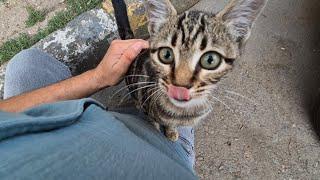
[(280, 73)]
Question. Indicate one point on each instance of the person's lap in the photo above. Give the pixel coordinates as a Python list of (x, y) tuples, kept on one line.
[(79, 139), (32, 69)]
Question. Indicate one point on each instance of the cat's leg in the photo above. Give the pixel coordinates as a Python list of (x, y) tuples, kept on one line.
[(156, 125), (171, 133)]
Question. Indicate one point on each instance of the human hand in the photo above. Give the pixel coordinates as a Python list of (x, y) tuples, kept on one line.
[(117, 61)]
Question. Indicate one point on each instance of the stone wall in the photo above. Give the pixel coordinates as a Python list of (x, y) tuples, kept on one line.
[(2, 74), (83, 42)]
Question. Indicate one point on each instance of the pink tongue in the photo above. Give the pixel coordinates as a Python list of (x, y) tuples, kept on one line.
[(178, 93)]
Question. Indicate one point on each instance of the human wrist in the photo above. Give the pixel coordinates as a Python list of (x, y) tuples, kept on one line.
[(98, 80)]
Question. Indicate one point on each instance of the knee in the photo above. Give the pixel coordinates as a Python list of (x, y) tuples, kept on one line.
[(32, 69), (18, 72), (22, 62)]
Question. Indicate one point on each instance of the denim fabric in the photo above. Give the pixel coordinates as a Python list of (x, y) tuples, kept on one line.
[(81, 140), (32, 69)]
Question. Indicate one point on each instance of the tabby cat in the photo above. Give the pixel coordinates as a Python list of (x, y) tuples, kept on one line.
[(189, 53)]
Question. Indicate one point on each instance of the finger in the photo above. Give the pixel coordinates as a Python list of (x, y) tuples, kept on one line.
[(124, 44), (127, 45), (133, 51), (145, 44)]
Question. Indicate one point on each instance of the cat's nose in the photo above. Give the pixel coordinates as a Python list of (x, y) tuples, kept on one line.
[(179, 82), (179, 93), (188, 86)]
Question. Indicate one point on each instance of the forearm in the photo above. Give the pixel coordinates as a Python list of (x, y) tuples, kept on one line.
[(77, 87), (109, 72)]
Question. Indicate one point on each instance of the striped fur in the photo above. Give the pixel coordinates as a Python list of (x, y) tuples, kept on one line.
[(189, 35)]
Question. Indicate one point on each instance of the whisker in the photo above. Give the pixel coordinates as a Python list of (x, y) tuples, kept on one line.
[(155, 100), (137, 76), (239, 104), (207, 87), (152, 85), (132, 76), (150, 97), (222, 102), (152, 89), (208, 103), (234, 100), (217, 99), (123, 88), (237, 109), (237, 118), (240, 95)]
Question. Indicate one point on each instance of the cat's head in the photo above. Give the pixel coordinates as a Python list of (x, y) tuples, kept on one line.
[(192, 51)]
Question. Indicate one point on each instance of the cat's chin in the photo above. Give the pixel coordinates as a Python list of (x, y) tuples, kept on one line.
[(195, 102)]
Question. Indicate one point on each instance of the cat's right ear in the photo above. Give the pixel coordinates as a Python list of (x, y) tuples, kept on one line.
[(158, 12)]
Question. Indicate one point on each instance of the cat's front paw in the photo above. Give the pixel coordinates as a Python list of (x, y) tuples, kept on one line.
[(172, 134)]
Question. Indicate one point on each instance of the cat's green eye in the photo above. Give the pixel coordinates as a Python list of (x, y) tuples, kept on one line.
[(210, 61), (166, 55)]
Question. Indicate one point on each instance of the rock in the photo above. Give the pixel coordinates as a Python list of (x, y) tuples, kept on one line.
[(2, 73), (83, 42)]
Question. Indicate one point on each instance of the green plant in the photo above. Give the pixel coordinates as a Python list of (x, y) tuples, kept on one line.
[(34, 16), (60, 19), (11, 47)]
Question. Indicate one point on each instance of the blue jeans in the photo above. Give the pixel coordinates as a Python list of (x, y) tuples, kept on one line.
[(32, 69)]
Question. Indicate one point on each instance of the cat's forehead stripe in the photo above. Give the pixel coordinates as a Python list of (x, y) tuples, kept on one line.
[(174, 39), (181, 18), (201, 29), (204, 43), (190, 25)]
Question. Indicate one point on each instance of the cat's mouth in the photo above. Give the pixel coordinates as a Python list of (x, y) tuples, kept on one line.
[(183, 97), (177, 93)]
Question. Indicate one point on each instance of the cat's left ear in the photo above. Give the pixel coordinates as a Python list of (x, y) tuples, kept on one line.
[(240, 15), (158, 11)]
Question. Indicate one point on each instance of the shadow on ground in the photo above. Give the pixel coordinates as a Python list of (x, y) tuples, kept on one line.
[(269, 136), (311, 80)]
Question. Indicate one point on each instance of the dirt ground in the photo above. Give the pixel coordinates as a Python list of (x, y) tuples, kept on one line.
[(13, 15)]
